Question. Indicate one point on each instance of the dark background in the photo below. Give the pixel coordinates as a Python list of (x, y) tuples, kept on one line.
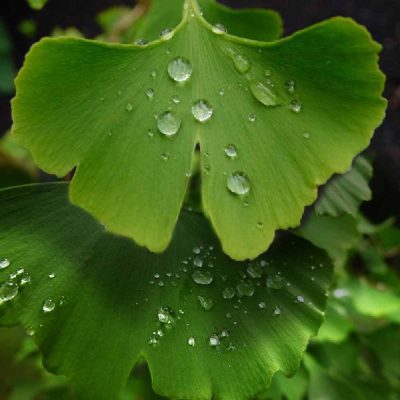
[(381, 17)]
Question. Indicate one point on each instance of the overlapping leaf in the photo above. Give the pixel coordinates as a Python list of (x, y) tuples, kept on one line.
[(107, 298), (289, 114)]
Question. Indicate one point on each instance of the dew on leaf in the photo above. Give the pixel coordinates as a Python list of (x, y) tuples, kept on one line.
[(277, 311), (153, 341), (295, 106), (214, 341), (262, 305), (245, 288), (221, 92), (219, 29), (196, 250), (165, 156), (228, 293), (167, 34), (306, 135), (4, 263), (8, 291), (49, 306), (141, 42), (30, 331), (198, 262), (52, 275), (290, 86), (263, 93), (153, 73), (202, 277), (202, 111), (175, 99), (205, 303), (238, 183), (166, 315), (260, 225), (267, 72), (168, 124), (150, 133), (254, 271), (299, 299), (25, 279), (242, 63), (192, 341), (129, 107), (231, 151), (224, 333), (275, 281), (252, 117), (180, 69), (150, 93)]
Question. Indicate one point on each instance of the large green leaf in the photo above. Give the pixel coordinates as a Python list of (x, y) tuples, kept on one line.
[(110, 295), (37, 4), (92, 105), (345, 193)]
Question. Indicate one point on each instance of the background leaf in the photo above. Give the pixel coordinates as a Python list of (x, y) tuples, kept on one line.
[(113, 300)]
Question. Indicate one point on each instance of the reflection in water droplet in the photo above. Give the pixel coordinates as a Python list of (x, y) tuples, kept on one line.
[(205, 303), (180, 69), (231, 151), (25, 279), (263, 93), (4, 263), (48, 306), (295, 106), (8, 291), (52, 275), (238, 183), (168, 124), (219, 29), (202, 277), (202, 111), (242, 63)]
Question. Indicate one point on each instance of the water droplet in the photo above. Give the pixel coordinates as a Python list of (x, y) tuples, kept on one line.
[(196, 250), (202, 277), (150, 133), (245, 288), (254, 271), (52, 275), (150, 93), (221, 92), (192, 341), (290, 86), (4, 263), (231, 151), (267, 73), (198, 262), (262, 305), (242, 63), (165, 156), (219, 29), (277, 311), (263, 93), (295, 106), (207, 304), (166, 315), (202, 110), (306, 135), (167, 34), (299, 299), (180, 69), (260, 225), (129, 107), (168, 124), (25, 279), (30, 331), (175, 99), (141, 42), (275, 281), (252, 117), (48, 306), (8, 291), (153, 341), (238, 183), (214, 341), (228, 293)]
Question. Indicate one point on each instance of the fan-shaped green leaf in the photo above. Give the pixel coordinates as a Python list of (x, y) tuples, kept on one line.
[(345, 193), (37, 4), (98, 302), (267, 142)]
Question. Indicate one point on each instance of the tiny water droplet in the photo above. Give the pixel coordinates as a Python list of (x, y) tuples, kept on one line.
[(306, 135), (141, 42), (275, 281), (196, 250), (277, 311), (231, 151), (254, 271), (242, 63), (219, 29), (168, 124), (252, 117), (175, 99), (25, 279), (129, 107), (214, 341), (166, 315), (263, 93), (299, 299), (245, 288), (260, 225), (202, 277), (8, 291), (153, 341), (192, 341), (4, 263), (202, 111), (150, 93), (180, 69), (153, 73), (48, 306), (205, 303), (238, 183), (167, 34), (295, 106), (262, 305), (165, 156), (30, 331), (52, 275), (267, 72), (221, 92), (198, 262), (150, 133), (228, 293), (290, 86)]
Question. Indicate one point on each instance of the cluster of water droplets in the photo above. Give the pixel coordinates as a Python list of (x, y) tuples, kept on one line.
[(10, 288)]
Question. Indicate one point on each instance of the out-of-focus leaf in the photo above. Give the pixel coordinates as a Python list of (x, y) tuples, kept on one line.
[(7, 72)]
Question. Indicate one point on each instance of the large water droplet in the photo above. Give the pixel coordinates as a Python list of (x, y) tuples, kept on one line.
[(166, 315), (4, 263), (275, 281), (180, 69), (168, 124), (219, 29), (238, 183), (49, 306), (231, 151), (263, 93), (242, 63), (202, 277), (295, 106), (228, 293), (245, 288), (205, 303), (8, 291), (202, 110)]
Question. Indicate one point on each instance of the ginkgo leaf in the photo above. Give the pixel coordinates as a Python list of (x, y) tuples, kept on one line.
[(37, 4), (273, 121), (258, 24), (97, 303), (345, 193)]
